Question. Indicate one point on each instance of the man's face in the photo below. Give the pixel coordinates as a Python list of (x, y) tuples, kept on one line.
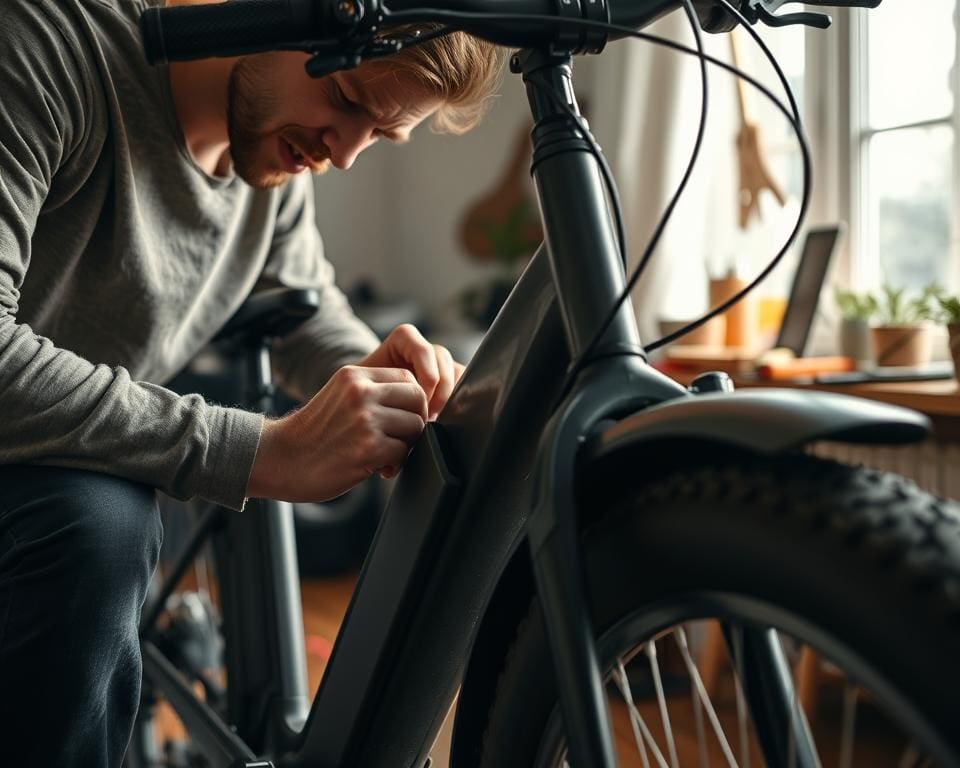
[(281, 122)]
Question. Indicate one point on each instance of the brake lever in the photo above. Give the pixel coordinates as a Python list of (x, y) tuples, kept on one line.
[(329, 59), (764, 10)]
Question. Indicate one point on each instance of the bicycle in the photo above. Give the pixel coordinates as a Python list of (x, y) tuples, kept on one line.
[(563, 468)]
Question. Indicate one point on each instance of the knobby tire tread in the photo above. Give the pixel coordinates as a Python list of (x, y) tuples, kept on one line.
[(876, 520)]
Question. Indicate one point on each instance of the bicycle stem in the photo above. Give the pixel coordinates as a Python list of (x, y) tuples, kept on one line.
[(576, 218)]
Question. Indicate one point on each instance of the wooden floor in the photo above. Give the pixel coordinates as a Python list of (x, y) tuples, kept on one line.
[(325, 602)]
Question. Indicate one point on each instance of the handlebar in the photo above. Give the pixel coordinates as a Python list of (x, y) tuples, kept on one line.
[(186, 32), (239, 27), (248, 26)]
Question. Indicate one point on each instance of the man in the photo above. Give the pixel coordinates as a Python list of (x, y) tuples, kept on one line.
[(139, 207)]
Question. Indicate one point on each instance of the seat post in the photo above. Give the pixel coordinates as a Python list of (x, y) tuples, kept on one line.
[(264, 643), (259, 385)]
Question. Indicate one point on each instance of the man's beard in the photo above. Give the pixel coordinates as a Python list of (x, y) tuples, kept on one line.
[(251, 104)]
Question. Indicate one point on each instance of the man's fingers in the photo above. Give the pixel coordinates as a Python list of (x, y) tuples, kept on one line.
[(392, 387), (392, 453), (405, 396), (401, 425), (419, 355), (446, 381), (387, 375)]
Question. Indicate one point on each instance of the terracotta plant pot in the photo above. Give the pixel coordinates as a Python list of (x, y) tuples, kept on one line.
[(954, 331), (902, 345)]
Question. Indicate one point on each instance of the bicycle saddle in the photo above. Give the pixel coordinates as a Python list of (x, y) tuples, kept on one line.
[(268, 315)]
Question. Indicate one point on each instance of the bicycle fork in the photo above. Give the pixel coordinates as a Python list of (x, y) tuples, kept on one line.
[(616, 381)]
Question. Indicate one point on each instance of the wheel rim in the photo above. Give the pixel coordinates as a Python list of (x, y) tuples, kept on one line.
[(868, 713)]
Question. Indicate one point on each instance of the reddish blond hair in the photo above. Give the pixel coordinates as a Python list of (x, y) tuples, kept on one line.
[(461, 70)]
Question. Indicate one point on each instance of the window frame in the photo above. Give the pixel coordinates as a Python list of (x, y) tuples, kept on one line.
[(836, 97)]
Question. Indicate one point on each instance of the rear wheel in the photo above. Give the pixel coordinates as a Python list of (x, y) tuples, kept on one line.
[(857, 571)]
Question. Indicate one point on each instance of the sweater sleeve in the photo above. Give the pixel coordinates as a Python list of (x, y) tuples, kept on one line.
[(334, 337), (55, 407)]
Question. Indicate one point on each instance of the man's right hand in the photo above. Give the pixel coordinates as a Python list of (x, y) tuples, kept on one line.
[(363, 421)]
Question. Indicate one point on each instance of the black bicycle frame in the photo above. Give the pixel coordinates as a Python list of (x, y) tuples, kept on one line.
[(496, 472)]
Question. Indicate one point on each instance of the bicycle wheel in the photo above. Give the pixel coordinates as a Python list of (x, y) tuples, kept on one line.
[(858, 565)]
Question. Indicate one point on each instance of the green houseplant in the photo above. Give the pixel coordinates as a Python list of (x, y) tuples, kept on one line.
[(949, 311), (856, 310), (902, 335)]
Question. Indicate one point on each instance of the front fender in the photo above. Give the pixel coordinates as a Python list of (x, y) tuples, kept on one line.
[(759, 420), (765, 421)]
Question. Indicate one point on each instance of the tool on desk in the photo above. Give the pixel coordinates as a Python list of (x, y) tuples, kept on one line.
[(781, 364), (818, 248)]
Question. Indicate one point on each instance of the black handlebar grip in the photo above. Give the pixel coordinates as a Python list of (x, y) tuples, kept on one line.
[(228, 28)]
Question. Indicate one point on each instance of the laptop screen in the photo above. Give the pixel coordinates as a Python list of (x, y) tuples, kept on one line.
[(805, 292)]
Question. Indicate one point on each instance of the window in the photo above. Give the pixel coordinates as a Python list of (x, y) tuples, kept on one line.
[(904, 199)]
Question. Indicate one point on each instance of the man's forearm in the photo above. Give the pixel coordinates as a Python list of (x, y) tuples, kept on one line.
[(61, 409)]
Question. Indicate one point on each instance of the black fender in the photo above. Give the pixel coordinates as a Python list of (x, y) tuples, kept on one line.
[(757, 420), (762, 420)]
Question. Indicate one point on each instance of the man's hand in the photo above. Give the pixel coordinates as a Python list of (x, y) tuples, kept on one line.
[(363, 421), (434, 367)]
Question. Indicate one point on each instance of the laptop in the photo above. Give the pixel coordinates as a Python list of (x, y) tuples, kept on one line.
[(818, 249)]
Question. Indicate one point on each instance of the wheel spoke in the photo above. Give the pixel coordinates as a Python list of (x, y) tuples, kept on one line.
[(742, 722), (681, 639), (641, 733), (701, 731), (849, 725), (651, 649)]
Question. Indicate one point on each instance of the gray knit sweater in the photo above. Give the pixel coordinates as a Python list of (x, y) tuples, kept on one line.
[(120, 259)]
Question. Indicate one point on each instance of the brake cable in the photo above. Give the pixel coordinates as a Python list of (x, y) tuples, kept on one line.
[(791, 114)]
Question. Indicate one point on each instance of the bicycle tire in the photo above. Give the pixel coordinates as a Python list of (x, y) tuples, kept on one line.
[(840, 549)]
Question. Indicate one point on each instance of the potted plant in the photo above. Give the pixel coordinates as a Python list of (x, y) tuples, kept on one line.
[(902, 335), (856, 309), (950, 317)]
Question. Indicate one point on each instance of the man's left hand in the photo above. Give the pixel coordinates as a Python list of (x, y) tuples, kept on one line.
[(431, 364)]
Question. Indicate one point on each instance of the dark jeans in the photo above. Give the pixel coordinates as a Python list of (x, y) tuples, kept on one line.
[(77, 551)]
